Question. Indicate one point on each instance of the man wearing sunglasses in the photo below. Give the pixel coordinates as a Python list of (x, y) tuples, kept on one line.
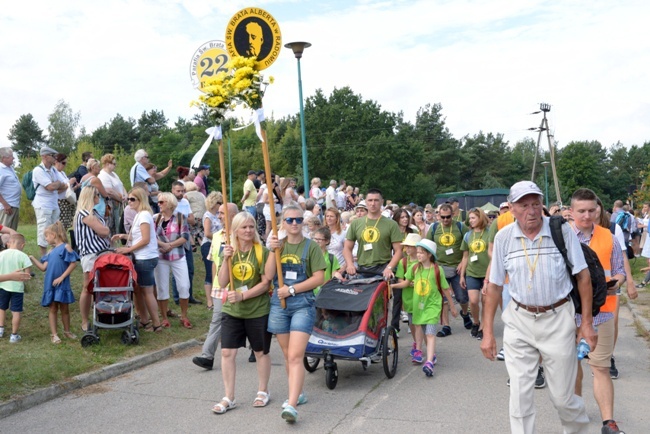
[(379, 238), (448, 235)]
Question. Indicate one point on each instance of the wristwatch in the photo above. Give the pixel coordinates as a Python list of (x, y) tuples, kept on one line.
[(292, 291)]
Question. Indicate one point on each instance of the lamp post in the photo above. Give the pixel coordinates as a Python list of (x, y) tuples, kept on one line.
[(545, 164), (298, 48)]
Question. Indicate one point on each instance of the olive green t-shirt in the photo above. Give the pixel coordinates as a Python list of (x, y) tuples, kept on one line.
[(247, 272), (476, 244), (292, 253), (448, 242), (375, 238)]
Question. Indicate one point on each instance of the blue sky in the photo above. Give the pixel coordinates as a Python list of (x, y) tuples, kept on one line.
[(489, 63)]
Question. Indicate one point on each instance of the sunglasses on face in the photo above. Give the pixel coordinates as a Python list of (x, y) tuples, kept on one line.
[(132, 199), (162, 201), (444, 217), (291, 220)]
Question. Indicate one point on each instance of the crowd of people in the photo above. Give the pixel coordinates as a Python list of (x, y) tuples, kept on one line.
[(260, 282)]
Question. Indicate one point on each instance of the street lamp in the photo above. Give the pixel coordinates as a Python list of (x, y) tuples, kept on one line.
[(545, 164), (298, 48)]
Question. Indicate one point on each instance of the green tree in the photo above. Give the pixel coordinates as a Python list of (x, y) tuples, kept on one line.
[(151, 125), (118, 132), (62, 128), (26, 136), (581, 164)]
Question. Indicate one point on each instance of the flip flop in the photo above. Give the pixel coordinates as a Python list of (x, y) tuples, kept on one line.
[(56, 339), (219, 408), (262, 399)]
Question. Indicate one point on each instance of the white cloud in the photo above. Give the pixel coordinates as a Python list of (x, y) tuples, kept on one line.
[(488, 63)]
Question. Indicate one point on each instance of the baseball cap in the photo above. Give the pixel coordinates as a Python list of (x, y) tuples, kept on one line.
[(504, 205), (453, 199), (523, 188), (203, 167)]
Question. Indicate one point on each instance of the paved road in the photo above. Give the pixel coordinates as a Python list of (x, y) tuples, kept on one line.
[(467, 395)]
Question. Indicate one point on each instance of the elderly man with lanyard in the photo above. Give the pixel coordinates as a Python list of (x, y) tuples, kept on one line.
[(379, 238), (586, 213), (541, 318)]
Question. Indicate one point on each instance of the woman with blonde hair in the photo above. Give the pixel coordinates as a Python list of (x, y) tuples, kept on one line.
[(211, 225), (245, 313), (91, 178), (173, 233), (474, 265), (315, 191), (91, 237), (303, 270), (143, 244), (333, 222)]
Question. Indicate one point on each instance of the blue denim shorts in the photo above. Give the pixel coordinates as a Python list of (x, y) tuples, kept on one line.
[(472, 283), (144, 268), (299, 316), (12, 300)]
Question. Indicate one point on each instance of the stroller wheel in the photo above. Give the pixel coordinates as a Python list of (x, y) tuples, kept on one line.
[(126, 337), (389, 352), (89, 340), (331, 377), (311, 363), (135, 336)]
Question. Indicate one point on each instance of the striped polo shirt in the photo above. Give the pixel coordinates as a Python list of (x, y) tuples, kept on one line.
[(537, 271)]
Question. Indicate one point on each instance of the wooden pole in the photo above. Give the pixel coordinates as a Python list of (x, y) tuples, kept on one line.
[(274, 228), (222, 167)]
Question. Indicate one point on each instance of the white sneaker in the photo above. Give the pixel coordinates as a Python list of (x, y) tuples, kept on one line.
[(501, 355), (2, 331), (14, 338)]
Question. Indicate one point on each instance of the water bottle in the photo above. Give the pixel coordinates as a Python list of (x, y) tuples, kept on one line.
[(583, 349)]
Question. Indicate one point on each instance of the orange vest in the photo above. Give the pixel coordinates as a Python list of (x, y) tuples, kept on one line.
[(602, 242), (504, 220)]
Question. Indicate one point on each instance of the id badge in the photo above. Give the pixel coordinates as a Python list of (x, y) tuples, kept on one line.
[(449, 252), (291, 275), (243, 288), (367, 247), (473, 258), (421, 306)]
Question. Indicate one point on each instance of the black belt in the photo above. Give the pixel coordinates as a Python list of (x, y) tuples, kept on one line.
[(541, 309)]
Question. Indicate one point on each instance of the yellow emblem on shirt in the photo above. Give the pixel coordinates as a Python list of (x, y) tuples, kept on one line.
[(242, 271), (370, 234), (422, 287), (478, 246)]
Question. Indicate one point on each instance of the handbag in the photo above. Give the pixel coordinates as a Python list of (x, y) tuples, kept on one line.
[(71, 196)]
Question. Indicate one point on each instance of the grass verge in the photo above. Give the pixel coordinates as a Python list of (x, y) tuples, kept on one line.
[(35, 362)]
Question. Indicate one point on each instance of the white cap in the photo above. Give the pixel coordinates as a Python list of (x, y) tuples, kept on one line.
[(523, 188)]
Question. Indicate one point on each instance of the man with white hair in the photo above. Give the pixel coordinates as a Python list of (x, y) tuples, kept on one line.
[(10, 191), (140, 174), (46, 200)]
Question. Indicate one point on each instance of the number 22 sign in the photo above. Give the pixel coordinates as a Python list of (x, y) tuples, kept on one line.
[(208, 60)]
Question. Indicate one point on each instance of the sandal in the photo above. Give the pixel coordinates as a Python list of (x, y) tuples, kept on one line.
[(147, 326), (186, 323), (165, 324), (219, 408), (157, 329), (262, 399), (171, 314), (69, 335), (56, 339)]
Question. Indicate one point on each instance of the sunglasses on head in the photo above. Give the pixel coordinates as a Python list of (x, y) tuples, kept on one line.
[(291, 220)]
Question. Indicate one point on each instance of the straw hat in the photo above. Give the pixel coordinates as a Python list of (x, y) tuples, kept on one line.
[(412, 240)]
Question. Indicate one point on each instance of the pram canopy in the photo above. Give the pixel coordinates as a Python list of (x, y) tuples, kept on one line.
[(352, 296), (113, 271)]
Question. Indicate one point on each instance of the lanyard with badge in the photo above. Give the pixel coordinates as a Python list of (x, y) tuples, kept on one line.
[(474, 257), (531, 267), (368, 245), (243, 268), (449, 251)]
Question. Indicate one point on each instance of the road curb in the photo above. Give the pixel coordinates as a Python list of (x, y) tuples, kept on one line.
[(643, 321), (43, 395)]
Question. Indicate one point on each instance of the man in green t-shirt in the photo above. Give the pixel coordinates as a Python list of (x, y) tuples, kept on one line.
[(380, 246), (448, 236)]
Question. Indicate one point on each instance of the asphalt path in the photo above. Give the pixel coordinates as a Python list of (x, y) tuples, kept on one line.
[(468, 394)]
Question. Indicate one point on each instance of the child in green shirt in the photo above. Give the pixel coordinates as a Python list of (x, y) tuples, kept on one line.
[(323, 236)]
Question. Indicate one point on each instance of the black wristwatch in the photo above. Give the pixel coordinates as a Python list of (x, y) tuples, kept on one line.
[(292, 291)]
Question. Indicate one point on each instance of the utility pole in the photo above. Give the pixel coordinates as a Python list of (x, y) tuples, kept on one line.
[(543, 126)]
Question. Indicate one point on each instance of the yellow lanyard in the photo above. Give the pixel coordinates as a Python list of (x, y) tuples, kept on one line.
[(531, 267), (376, 223), (242, 267), (480, 237)]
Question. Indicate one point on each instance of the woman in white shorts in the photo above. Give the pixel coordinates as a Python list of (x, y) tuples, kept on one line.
[(91, 236)]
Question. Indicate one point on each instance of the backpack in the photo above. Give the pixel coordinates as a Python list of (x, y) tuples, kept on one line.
[(623, 220), (628, 248), (596, 270), (28, 185)]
